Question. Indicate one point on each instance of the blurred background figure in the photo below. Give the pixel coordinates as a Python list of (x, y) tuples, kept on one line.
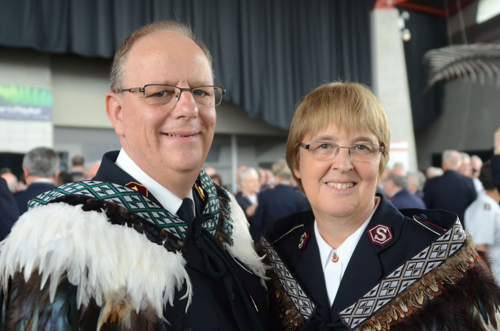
[(416, 182), (77, 169), (247, 197), (210, 171), (277, 202), (396, 190), (10, 178), (92, 170), (482, 219), (41, 168), (240, 169), (217, 179), (476, 164), (452, 191), (64, 177), (465, 166), (432, 172), (8, 209)]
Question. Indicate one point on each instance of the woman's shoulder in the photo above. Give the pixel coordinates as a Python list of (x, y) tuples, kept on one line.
[(285, 227)]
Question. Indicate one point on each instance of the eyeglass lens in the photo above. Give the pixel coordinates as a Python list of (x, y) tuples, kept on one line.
[(160, 95), (328, 151)]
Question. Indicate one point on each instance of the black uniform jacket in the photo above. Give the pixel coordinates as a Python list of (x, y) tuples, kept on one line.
[(495, 165), (215, 302), (369, 262), (451, 191), (31, 191), (8, 209)]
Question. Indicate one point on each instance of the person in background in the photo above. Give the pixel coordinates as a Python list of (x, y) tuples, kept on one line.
[(247, 197), (40, 168), (8, 209), (432, 172), (92, 170), (482, 219), (10, 178), (355, 262), (217, 179), (495, 159), (151, 243), (465, 165), (396, 190), (452, 191), (416, 182), (77, 169), (277, 202), (476, 164), (64, 177)]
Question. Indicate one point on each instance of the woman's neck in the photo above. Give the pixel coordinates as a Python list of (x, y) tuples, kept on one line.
[(335, 230)]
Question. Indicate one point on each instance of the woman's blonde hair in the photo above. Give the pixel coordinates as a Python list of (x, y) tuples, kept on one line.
[(350, 106)]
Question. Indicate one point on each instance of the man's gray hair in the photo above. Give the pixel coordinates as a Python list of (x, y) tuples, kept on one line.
[(280, 168), (42, 162), (400, 181), (452, 157), (244, 174), (418, 178)]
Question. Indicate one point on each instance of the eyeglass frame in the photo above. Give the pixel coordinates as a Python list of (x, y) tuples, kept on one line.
[(190, 89), (306, 147)]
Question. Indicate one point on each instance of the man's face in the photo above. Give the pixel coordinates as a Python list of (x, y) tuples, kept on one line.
[(168, 140)]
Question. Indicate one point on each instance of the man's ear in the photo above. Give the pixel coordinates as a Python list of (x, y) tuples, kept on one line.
[(115, 112)]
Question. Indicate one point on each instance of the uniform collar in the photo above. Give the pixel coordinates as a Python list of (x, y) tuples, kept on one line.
[(166, 198)]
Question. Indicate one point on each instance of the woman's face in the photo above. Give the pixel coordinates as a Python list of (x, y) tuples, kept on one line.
[(341, 188)]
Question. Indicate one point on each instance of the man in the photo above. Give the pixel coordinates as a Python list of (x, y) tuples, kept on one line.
[(482, 219), (416, 181), (92, 170), (155, 245), (11, 180), (495, 160), (396, 190), (277, 202), (451, 191), (77, 170), (41, 168), (465, 165), (247, 197), (476, 164), (8, 209)]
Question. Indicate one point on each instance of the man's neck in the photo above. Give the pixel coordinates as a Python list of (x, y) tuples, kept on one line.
[(37, 179)]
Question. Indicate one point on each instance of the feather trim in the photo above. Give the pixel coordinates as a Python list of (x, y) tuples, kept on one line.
[(244, 250), (459, 295), (56, 239)]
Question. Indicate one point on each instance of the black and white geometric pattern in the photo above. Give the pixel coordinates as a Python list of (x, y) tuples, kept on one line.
[(404, 276), (303, 304), (140, 204)]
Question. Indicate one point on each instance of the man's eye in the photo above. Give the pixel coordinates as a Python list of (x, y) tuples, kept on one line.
[(160, 94), (200, 93)]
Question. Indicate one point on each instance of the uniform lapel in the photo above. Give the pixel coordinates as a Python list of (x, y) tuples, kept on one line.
[(365, 267), (309, 268)]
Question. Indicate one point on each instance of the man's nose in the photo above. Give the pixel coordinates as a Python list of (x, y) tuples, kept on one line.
[(186, 104)]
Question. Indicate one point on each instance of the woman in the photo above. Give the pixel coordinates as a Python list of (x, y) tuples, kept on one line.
[(355, 262)]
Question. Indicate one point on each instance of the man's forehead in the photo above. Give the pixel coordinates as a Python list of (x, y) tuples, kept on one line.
[(164, 52)]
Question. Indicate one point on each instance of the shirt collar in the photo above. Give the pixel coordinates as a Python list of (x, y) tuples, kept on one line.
[(346, 249), (167, 199)]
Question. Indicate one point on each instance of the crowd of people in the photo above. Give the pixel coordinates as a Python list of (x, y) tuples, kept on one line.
[(327, 239)]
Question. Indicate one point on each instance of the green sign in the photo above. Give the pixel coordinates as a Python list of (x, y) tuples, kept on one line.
[(22, 102)]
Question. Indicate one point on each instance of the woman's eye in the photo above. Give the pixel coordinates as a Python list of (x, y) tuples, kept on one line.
[(325, 146), (362, 148)]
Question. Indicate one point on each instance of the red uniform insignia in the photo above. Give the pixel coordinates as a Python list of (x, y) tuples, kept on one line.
[(303, 240), (380, 235), (138, 188), (335, 257), (487, 206)]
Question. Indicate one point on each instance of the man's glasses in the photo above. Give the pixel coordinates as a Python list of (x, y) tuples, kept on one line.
[(160, 95), (323, 151)]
